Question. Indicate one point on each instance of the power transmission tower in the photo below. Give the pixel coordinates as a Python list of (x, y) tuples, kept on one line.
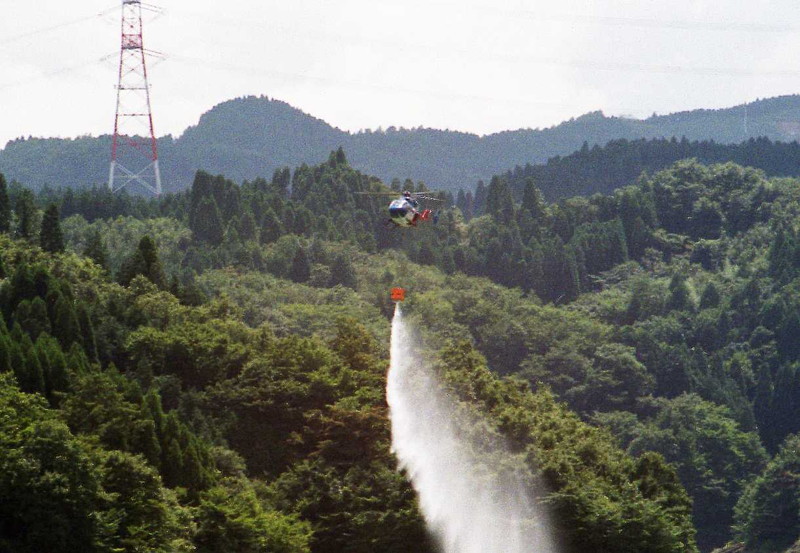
[(134, 141)]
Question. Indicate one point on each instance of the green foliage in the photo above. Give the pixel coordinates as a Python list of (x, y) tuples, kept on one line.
[(231, 517), (683, 282), (301, 268), (713, 456), (144, 261), (342, 272), (51, 238), (768, 512), (96, 250), (602, 500), (51, 487), (25, 211), (5, 206)]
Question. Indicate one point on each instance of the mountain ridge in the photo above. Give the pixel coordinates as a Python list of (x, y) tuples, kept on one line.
[(249, 137)]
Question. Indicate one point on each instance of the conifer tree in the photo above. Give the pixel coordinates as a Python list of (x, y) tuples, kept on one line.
[(301, 267), (65, 325), (208, 222), (247, 227), (533, 201), (25, 209), (680, 298), (710, 297), (51, 238), (5, 206), (5, 353), (144, 261), (32, 317), (201, 189), (342, 272), (54, 366), (338, 157), (480, 199), (281, 179), (27, 368), (461, 200), (87, 332), (499, 202), (146, 440), (469, 206), (271, 227), (96, 249)]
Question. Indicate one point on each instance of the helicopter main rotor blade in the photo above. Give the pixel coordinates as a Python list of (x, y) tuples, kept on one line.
[(429, 198)]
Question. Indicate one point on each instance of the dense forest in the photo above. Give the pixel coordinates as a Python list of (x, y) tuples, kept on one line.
[(603, 169), (250, 137), (205, 371)]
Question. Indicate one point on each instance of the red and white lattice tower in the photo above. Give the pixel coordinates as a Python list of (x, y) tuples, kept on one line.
[(134, 153)]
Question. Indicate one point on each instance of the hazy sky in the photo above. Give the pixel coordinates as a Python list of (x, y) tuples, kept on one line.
[(473, 65)]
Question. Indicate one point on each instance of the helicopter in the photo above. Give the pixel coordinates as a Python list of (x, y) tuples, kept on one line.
[(405, 211)]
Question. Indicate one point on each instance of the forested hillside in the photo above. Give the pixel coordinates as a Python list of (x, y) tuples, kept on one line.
[(204, 371), (603, 169), (250, 137)]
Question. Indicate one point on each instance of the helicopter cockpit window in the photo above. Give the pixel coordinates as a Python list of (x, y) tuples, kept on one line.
[(398, 208)]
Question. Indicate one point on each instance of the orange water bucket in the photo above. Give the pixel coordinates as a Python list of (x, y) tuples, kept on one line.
[(398, 294)]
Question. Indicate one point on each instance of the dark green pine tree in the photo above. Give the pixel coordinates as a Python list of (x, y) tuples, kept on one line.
[(208, 222), (560, 279), (87, 332), (144, 261), (32, 317), (533, 201), (479, 204), (338, 157), (171, 452), (77, 361), (499, 202), (155, 271), (51, 239), (281, 179), (342, 272), (301, 267), (469, 206), (25, 209), (5, 206), (201, 189), (271, 227), (5, 353), (96, 249), (65, 325), (710, 297), (461, 201), (192, 475), (27, 367), (3, 272), (680, 298), (248, 231), (781, 254), (54, 367), (426, 255), (145, 441)]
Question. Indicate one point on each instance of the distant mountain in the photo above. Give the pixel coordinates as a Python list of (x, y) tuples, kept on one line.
[(250, 137)]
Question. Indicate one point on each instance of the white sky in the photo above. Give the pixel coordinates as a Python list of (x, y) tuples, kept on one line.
[(474, 65)]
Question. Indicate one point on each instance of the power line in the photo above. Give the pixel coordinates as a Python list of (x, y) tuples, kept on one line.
[(54, 72), (41, 30), (586, 19)]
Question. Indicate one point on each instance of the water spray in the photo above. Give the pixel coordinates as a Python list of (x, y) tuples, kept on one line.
[(469, 507)]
